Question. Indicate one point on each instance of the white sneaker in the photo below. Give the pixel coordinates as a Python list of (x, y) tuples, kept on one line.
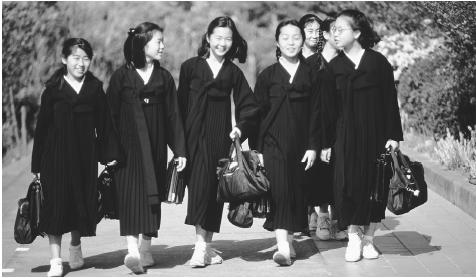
[(56, 268), (313, 221), (146, 258), (283, 255), (368, 250), (198, 257), (323, 225), (354, 248), (212, 257), (75, 257), (132, 261)]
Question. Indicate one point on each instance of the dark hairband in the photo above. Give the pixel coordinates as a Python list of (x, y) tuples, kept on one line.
[(132, 31)]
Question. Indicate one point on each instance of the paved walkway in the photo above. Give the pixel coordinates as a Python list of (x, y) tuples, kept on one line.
[(436, 239)]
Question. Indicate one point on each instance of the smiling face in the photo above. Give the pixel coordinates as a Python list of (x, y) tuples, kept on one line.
[(290, 41), (77, 63), (220, 41), (312, 34), (344, 34), (154, 49)]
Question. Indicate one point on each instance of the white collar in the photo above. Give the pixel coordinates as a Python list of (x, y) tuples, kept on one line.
[(215, 66), (356, 58), (146, 74), (77, 85), (291, 68)]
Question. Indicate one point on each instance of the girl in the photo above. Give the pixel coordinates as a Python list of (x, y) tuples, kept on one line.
[(145, 109), (206, 82), (73, 130), (368, 123), (288, 135), (311, 24)]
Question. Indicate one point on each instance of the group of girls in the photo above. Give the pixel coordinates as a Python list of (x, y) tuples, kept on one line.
[(313, 103)]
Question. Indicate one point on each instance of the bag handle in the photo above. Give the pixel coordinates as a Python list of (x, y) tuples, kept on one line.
[(404, 162)]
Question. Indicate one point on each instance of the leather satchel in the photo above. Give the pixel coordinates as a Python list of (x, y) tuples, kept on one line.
[(107, 207), (407, 189), (240, 214), (175, 185), (241, 180), (28, 214)]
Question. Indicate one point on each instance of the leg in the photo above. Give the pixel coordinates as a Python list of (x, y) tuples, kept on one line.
[(354, 247), (56, 264), (292, 252), (283, 255), (323, 223), (336, 233), (199, 254), (132, 259), (75, 253), (368, 249), (212, 256), (144, 251), (312, 218)]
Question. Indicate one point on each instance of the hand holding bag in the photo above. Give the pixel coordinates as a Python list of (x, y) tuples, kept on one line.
[(106, 186), (28, 215), (246, 182), (407, 189), (175, 185)]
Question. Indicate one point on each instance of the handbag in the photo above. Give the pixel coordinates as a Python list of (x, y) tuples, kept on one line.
[(240, 214), (379, 193), (241, 180), (175, 185), (107, 207), (28, 214), (261, 207), (407, 189)]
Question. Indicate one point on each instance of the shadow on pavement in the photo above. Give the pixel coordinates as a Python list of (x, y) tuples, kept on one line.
[(405, 243)]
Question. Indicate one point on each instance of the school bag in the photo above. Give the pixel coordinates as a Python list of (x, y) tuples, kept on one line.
[(244, 180), (28, 214), (407, 188)]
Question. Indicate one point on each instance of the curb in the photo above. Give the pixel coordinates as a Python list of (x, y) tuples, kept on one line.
[(451, 185)]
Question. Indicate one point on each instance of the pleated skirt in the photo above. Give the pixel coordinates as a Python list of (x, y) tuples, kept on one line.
[(135, 213), (319, 184), (203, 209)]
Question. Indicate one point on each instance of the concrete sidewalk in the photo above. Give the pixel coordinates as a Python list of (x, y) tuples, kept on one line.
[(436, 239)]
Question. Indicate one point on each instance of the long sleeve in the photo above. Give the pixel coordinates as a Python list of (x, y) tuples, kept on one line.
[(113, 96), (315, 128), (107, 139), (183, 91), (328, 109), (175, 131), (264, 105), (45, 119), (246, 106), (393, 125)]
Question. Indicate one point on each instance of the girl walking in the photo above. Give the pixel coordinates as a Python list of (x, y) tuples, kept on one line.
[(288, 135), (205, 85), (145, 109), (368, 123), (73, 133)]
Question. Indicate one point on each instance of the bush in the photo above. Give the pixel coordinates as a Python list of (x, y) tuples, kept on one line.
[(429, 94)]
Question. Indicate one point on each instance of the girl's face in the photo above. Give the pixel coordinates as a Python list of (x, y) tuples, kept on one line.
[(312, 34), (154, 49), (290, 41), (330, 37), (344, 35), (77, 63), (220, 41)]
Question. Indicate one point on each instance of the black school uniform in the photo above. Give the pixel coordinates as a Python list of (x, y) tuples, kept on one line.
[(73, 132), (206, 108), (367, 117), (320, 176), (289, 116), (148, 119)]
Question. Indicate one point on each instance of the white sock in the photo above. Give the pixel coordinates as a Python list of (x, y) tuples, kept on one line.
[(369, 238), (132, 245), (145, 245), (323, 214)]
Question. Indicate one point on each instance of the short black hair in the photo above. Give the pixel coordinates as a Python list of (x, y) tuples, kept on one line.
[(137, 38), (239, 46), (368, 37), (326, 24)]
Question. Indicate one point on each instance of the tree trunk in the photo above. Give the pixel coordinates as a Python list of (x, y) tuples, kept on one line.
[(14, 124), (23, 130)]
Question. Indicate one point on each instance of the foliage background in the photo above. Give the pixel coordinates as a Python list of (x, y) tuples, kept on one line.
[(430, 44)]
